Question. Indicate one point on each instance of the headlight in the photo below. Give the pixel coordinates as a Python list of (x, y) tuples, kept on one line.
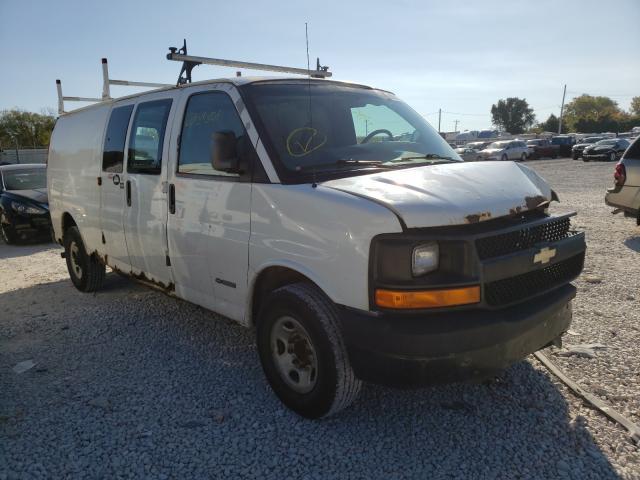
[(425, 258), (27, 209)]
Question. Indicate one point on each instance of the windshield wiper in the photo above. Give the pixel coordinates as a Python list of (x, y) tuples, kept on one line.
[(426, 156), (351, 161)]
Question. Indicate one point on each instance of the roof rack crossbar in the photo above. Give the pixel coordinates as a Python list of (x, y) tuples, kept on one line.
[(62, 98), (190, 61)]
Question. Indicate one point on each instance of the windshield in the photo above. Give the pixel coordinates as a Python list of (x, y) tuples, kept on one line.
[(533, 142), (607, 142), (592, 139), (25, 179), (326, 127), (498, 145)]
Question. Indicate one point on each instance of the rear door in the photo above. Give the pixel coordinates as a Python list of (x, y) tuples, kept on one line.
[(112, 189), (146, 189)]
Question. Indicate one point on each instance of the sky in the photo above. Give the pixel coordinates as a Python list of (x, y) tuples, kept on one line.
[(460, 57)]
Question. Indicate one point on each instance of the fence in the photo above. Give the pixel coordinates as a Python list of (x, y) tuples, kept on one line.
[(32, 155)]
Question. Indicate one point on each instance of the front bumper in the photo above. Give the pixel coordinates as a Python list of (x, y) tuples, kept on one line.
[(419, 349), (28, 225)]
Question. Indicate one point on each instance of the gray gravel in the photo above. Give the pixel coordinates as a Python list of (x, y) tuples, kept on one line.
[(132, 383)]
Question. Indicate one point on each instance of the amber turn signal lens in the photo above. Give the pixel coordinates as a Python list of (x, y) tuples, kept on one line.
[(427, 298)]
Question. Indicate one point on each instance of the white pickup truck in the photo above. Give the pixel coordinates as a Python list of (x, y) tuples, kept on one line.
[(329, 216)]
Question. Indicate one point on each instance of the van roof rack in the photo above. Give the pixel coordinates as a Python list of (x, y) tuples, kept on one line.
[(106, 90), (190, 61)]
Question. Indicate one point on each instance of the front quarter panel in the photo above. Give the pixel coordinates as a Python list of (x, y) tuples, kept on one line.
[(321, 233)]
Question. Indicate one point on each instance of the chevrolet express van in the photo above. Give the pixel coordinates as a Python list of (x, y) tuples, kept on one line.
[(328, 216)]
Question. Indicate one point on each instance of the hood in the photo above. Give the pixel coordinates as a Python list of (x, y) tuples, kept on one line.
[(492, 150), (38, 195), (451, 194)]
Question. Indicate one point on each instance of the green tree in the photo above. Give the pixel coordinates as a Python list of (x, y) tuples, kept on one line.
[(589, 114), (635, 106), (26, 129), (512, 115), (551, 124)]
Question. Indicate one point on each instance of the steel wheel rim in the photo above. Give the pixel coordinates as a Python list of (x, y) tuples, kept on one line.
[(613, 157), (74, 251), (294, 354)]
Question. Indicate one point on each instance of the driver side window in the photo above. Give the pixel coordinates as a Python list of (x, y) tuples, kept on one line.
[(381, 120)]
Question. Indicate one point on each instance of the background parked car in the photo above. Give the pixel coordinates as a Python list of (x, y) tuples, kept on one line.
[(478, 145), (625, 193), (24, 208), (469, 154), (541, 147), (578, 148), (609, 149), (565, 143), (506, 150)]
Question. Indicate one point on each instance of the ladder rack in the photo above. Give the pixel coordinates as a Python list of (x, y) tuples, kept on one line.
[(106, 90), (190, 61)]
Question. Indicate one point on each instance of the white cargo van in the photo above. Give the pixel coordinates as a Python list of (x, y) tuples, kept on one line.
[(329, 216)]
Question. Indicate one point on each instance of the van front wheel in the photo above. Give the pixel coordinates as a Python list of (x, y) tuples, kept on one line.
[(302, 352), (86, 271)]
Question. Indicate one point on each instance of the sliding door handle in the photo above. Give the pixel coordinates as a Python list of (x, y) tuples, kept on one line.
[(172, 198), (128, 189)]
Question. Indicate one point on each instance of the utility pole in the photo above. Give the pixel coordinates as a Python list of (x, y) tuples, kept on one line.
[(455, 129), (562, 110), (439, 117)]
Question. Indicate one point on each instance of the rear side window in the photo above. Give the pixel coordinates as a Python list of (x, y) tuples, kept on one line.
[(634, 150), (113, 151), (147, 137), (207, 116)]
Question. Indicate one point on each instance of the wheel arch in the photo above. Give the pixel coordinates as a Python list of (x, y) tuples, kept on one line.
[(272, 277), (66, 221)]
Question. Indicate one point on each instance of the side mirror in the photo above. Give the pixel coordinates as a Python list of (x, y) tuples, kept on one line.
[(224, 154)]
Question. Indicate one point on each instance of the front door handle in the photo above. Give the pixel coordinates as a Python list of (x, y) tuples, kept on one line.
[(172, 198), (128, 189)]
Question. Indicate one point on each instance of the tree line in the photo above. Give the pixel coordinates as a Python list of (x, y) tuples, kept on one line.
[(21, 129), (584, 114)]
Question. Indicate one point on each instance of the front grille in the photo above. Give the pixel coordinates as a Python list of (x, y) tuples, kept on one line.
[(514, 289), (527, 237)]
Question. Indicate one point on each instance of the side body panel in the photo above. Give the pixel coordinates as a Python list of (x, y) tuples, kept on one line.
[(75, 159), (322, 233)]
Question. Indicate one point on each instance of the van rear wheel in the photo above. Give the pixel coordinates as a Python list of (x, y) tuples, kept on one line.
[(302, 352), (86, 271)]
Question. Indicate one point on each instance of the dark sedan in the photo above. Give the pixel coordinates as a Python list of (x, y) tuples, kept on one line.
[(578, 148), (609, 150), (24, 208)]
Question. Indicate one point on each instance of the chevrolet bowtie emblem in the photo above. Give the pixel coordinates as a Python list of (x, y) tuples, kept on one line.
[(544, 255)]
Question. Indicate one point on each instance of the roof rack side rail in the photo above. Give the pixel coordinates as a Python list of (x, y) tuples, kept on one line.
[(107, 82), (190, 61)]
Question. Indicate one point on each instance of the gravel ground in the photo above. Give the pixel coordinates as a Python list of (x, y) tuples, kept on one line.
[(132, 383)]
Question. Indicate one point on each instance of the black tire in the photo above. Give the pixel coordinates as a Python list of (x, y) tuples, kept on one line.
[(7, 233), (504, 158), (86, 271), (335, 385), (523, 157)]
